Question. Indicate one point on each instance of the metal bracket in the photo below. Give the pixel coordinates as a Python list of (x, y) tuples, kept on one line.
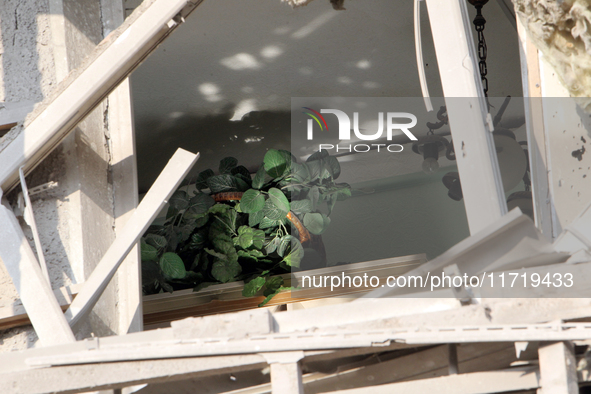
[(24, 202), (42, 188)]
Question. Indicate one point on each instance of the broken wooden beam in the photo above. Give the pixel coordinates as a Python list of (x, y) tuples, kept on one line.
[(164, 186)]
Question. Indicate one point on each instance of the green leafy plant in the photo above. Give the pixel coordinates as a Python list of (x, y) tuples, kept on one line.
[(238, 227)]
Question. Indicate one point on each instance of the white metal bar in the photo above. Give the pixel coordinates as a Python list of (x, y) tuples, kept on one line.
[(469, 119), (325, 340), (30, 219), (109, 64), (167, 182), (558, 368), (34, 290)]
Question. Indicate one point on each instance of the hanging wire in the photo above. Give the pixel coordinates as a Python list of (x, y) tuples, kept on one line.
[(479, 23)]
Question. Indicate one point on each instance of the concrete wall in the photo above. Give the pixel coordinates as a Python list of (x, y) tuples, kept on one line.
[(42, 40)]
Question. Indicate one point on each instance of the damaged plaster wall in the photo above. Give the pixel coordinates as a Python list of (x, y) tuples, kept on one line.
[(26, 71), (568, 144), (41, 41), (560, 30)]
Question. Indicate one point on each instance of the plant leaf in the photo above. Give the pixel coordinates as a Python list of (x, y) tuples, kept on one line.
[(255, 218), (243, 171), (179, 200), (215, 254), (157, 241), (300, 173), (313, 196), (222, 183), (272, 245), (258, 238), (334, 166), (227, 164), (219, 209), (316, 223), (273, 283), (201, 182), (245, 237), (284, 244), (344, 191), (241, 183), (270, 296), (252, 287), (148, 252), (275, 163), (197, 241), (295, 255), (331, 201), (225, 245), (269, 223), (225, 270), (151, 272), (200, 203), (172, 265), (252, 201), (278, 199), (301, 206), (272, 212), (259, 178)]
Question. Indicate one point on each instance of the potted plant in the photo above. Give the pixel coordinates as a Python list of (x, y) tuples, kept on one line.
[(233, 226)]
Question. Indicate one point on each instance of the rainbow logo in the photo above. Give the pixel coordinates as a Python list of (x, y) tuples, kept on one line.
[(315, 116)]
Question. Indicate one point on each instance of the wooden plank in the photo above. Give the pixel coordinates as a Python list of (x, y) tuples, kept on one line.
[(163, 308), (34, 290), (109, 64), (472, 383), (164, 186)]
